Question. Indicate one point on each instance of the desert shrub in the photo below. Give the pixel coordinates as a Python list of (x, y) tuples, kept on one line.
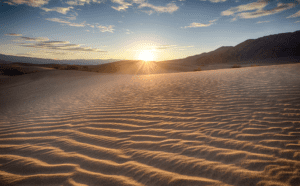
[(84, 68), (198, 69), (56, 66), (11, 70), (72, 67), (236, 66)]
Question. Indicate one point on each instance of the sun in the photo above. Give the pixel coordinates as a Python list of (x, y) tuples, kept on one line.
[(146, 55)]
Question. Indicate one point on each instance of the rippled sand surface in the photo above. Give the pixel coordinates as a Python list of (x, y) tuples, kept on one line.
[(208, 128)]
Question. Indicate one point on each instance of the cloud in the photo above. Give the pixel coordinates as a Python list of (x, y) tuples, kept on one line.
[(58, 20), (56, 53), (83, 2), (259, 22), (215, 1), (184, 47), (58, 9), (33, 3), (297, 14), (163, 47), (169, 8), (195, 25), (297, 21), (61, 45), (34, 38), (174, 47), (127, 31), (13, 34), (255, 10), (247, 7), (83, 24), (123, 5), (149, 12), (92, 26), (44, 43), (77, 24), (106, 28), (72, 16)]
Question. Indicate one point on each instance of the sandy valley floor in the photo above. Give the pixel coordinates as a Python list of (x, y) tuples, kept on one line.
[(209, 128)]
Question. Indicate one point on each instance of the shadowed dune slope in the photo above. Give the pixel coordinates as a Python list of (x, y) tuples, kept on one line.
[(212, 128)]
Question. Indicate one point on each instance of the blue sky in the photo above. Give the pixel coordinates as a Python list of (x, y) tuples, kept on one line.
[(135, 29)]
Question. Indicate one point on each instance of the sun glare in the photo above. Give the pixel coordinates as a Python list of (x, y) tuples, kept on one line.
[(146, 55)]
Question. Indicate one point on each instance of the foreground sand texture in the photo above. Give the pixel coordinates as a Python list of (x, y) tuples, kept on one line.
[(209, 128)]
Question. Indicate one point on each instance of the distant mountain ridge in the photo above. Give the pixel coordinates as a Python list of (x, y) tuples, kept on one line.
[(19, 59), (267, 47)]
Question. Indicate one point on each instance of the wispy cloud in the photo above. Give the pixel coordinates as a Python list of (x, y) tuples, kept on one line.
[(72, 16), (123, 5), (58, 9), (13, 34), (56, 53), (255, 10), (127, 31), (164, 47), (109, 28), (92, 26), (259, 5), (184, 47), (106, 28), (44, 43), (83, 2), (173, 47), (77, 24), (195, 25), (58, 20), (34, 38), (215, 1), (259, 22), (169, 8), (33, 3), (297, 14)]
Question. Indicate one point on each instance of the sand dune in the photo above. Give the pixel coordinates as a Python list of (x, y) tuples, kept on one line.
[(209, 128)]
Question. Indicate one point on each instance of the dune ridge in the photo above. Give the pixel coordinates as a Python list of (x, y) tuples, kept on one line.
[(211, 128)]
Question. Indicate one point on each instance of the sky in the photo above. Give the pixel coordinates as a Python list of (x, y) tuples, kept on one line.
[(137, 29)]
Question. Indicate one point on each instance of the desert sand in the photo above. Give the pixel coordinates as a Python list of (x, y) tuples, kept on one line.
[(238, 126)]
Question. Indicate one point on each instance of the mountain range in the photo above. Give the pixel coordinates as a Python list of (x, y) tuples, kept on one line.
[(283, 45)]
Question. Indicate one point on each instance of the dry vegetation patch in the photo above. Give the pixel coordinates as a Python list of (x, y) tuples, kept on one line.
[(198, 69), (14, 70), (236, 66)]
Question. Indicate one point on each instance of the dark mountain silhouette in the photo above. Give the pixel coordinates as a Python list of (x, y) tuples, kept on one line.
[(267, 47)]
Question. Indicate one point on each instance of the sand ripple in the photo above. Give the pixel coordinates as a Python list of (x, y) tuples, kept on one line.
[(215, 128)]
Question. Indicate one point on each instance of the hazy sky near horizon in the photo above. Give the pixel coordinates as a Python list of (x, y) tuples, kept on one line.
[(127, 29)]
